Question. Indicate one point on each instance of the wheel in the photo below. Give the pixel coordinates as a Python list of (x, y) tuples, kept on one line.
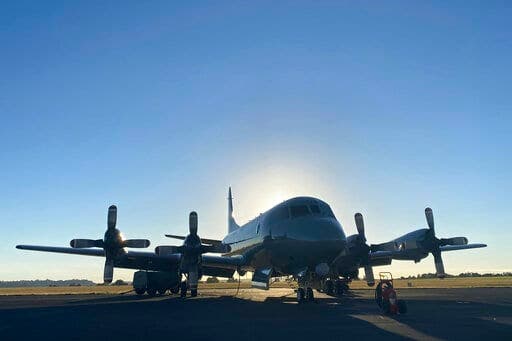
[(175, 290), (338, 288), (162, 291), (300, 295), (309, 295), (140, 291), (183, 289), (151, 292), (402, 307), (328, 287), (193, 292)]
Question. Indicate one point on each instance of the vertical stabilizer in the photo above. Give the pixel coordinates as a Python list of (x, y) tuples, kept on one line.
[(232, 225)]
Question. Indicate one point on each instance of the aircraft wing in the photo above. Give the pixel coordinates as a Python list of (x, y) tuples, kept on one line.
[(460, 247), (213, 265), (403, 254), (203, 240), (381, 254), (228, 262), (129, 260), (85, 252)]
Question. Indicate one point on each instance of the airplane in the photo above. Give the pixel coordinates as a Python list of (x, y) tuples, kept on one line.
[(299, 237)]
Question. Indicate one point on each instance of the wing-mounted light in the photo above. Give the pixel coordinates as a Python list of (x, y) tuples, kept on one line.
[(112, 242)]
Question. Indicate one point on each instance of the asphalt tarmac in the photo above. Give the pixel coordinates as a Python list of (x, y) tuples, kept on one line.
[(479, 313)]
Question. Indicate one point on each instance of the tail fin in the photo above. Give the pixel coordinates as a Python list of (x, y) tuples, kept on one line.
[(232, 225)]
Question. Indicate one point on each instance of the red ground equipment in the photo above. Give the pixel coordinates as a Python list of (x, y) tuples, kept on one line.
[(385, 296)]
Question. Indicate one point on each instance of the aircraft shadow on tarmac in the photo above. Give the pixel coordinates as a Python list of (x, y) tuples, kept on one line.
[(222, 316)]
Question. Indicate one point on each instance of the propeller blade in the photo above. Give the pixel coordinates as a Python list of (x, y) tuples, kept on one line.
[(112, 217), (168, 250), (430, 218), (438, 261), (368, 272), (453, 241), (175, 236), (108, 272), (136, 243), (360, 225), (85, 243), (192, 223)]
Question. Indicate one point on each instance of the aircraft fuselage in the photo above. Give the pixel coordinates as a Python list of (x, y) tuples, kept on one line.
[(295, 235)]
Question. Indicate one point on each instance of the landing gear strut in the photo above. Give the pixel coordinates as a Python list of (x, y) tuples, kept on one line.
[(340, 287), (183, 289), (309, 295), (301, 295), (329, 287)]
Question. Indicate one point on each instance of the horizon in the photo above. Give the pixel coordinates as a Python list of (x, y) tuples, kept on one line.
[(431, 275), (382, 109)]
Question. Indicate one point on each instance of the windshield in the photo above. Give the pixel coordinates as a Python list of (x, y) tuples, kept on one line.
[(299, 211)]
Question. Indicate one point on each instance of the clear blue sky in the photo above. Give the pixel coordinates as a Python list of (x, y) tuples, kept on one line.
[(382, 108)]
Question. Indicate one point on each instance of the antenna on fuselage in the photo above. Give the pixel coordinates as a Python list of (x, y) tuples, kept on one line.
[(232, 225)]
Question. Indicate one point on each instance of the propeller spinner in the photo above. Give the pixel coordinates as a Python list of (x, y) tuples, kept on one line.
[(112, 243)]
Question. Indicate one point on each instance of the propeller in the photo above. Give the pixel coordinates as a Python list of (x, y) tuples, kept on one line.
[(364, 250), (191, 253), (418, 244), (192, 223), (193, 245), (433, 244), (112, 242)]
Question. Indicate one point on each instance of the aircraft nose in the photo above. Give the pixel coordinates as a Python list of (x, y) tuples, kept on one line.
[(320, 229)]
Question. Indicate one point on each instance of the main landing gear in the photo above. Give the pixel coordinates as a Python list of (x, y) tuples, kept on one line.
[(305, 295), (184, 288), (336, 287)]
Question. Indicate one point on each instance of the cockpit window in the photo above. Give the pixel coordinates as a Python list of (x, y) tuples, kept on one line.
[(328, 212), (314, 209), (299, 210)]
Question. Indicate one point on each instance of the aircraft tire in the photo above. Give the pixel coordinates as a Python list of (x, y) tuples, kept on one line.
[(300, 295), (338, 288), (151, 292), (193, 292), (183, 289), (140, 291), (329, 287), (309, 295), (162, 291)]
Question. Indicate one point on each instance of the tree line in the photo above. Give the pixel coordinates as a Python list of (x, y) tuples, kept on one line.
[(46, 283), (463, 274)]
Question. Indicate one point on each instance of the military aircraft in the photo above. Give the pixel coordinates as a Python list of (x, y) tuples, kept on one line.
[(299, 237)]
